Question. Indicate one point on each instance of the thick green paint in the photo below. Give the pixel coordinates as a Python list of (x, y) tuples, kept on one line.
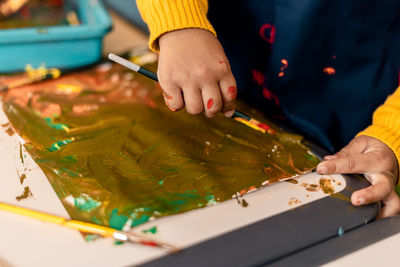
[(139, 159), (152, 230), (117, 221), (57, 126), (86, 203), (138, 221), (58, 145)]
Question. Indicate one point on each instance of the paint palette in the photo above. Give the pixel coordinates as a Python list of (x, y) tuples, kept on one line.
[(59, 46)]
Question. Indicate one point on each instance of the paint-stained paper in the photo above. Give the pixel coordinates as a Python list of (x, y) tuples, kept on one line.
[(116, 155)]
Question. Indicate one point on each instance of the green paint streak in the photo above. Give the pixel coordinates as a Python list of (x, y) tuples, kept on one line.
[(311, 157), (398, 190), (117, 221), (95, 220), (57, 126), (86, 203), (58, 145), (161, 182), (70, 159), (152, 230), (20, 153), (90, 237), (142, 219)]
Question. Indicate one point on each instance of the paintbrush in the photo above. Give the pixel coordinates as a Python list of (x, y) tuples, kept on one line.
[(49, 74), (90, 228), (237, 115)]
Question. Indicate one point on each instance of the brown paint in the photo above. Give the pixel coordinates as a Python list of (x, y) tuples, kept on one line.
[(22, 178), (326, 185), (27, 193)]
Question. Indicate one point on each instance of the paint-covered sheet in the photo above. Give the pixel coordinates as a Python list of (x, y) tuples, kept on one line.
[(116, 155)]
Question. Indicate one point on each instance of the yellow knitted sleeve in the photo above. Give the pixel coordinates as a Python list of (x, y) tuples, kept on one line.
[(164, 16), (386, 124)]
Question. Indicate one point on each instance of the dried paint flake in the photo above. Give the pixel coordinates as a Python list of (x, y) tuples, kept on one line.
[(26, 194), (326, 185), (294, 201)]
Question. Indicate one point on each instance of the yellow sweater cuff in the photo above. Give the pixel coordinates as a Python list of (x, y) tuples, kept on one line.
[(386, 124), (163, 16)]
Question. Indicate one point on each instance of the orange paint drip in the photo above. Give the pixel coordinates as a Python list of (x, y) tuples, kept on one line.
[(149, 243), (285, 64), (329, 71)]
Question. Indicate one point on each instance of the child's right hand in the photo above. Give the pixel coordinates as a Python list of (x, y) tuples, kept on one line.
[(193, 61)]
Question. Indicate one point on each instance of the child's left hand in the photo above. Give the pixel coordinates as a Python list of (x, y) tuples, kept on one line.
[(374, 159)]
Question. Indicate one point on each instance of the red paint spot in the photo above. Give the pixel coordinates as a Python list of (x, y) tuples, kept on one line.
[(232, 92), (329, 70), (263, 126), (149, 243), (210, 102), (221, 62), (334, 56), (258, 77), (267, 26), (270, 96)]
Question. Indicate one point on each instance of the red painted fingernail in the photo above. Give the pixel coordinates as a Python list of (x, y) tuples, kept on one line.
[(232, 91), (210, 102)]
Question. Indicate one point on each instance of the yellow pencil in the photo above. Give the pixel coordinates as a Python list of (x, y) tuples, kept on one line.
[(88, 227)]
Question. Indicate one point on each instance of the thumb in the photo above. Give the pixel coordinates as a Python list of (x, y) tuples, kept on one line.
[(357, 163)]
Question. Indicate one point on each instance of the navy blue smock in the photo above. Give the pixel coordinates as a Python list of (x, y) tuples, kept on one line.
[(342, 60)]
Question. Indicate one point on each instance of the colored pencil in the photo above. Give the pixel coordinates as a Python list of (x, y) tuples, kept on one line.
[(90, 228), (237, 115)]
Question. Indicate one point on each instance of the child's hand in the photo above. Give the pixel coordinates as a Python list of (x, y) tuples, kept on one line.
[(377, 162), (193, 61)]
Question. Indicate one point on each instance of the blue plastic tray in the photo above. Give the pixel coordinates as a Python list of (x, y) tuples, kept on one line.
[(62, 46)]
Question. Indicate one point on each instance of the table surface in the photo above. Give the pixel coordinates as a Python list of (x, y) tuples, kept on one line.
[(125, 35)]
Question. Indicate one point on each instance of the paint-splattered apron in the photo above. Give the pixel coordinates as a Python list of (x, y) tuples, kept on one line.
[(325, 65)]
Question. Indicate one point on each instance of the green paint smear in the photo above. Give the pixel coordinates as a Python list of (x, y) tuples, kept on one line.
[(57, 126), (117, 221), (86, 203), (58, 145), (90, 237), (152, 230), (139, 159), (398, 190)]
